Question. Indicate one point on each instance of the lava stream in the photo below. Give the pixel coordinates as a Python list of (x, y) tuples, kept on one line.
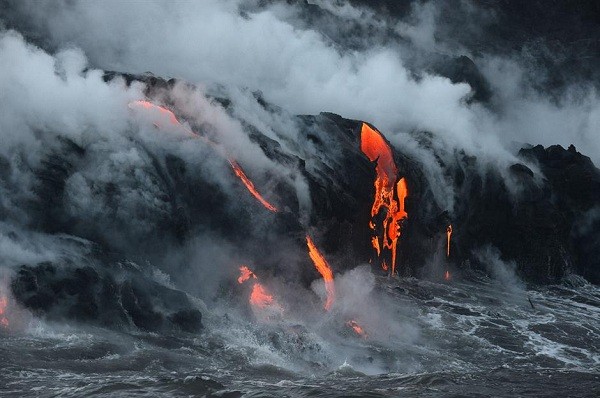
[(448, 236), (250, 186), (234, 165), (324, 269), (389, 195)]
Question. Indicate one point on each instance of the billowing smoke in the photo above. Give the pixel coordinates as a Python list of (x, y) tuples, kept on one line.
[(305, 71)]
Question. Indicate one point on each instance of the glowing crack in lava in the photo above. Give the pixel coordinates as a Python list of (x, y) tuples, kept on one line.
[(259, 297), (3, 305), (164, 112), (324, 269), (250, 186), (390, 194), (356, 328), (448, 237)]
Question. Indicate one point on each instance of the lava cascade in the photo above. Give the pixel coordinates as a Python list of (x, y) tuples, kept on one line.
[(250, 186), (234, 165), (448, 237), (388, 201), (324, 269)]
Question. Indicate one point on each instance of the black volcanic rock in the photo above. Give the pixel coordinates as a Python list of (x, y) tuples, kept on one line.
[(548, 223), (575, 185), (117, 296)]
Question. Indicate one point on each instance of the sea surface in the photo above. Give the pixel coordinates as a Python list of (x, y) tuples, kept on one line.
[(468, 337)]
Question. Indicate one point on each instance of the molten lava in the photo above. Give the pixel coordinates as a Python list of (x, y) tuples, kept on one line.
[(447, 275), (259, 297), (245, 274), (324, 269), (164, 111), (448, 236), (234, 165), (390, 194), (357, 328), (250, 186), (3, 305)]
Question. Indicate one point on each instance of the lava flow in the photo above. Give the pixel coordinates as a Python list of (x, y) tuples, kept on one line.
[(164, 111), (357, 328), (3, 304), (259, 298), (448, 236), (390, 194), (245, 274), (234, 165), (250, 186), (324, 269)]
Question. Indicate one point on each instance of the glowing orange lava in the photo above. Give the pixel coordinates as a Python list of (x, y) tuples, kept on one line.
[(234, 165), (3, 304), (164, 111), (250, 186), (259, 296), (245, 274), (357, 328), (324, 269), (447, 275), (448, 236), (389, 194)]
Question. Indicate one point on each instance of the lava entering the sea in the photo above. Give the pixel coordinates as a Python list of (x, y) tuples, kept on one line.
[(447, 275), (3, 305), (259, 297), (324, 269), (356, 328), (234, 165), (390, 194)]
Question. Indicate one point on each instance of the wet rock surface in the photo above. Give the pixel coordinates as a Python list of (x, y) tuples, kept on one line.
[(118, 296)]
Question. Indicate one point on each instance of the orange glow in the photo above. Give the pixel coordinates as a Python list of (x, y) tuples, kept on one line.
[(357, 328), (242, 176), (245, 274), (447, 275), (375, 243), (259, 296), (234, 165), (448, 236), (3, 304), (164, 111), (323, 267), (389, 194)]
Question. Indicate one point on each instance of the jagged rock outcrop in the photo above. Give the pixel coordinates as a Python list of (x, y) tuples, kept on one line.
[(119, 296)]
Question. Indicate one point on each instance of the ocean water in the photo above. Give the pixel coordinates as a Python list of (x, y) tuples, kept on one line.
[(471, 337)]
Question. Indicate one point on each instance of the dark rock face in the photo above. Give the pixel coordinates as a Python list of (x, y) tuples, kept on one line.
[(574, 182), (119, 297), (548, 223)]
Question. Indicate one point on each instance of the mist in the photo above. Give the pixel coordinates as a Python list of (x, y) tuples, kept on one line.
[(303, 71)]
